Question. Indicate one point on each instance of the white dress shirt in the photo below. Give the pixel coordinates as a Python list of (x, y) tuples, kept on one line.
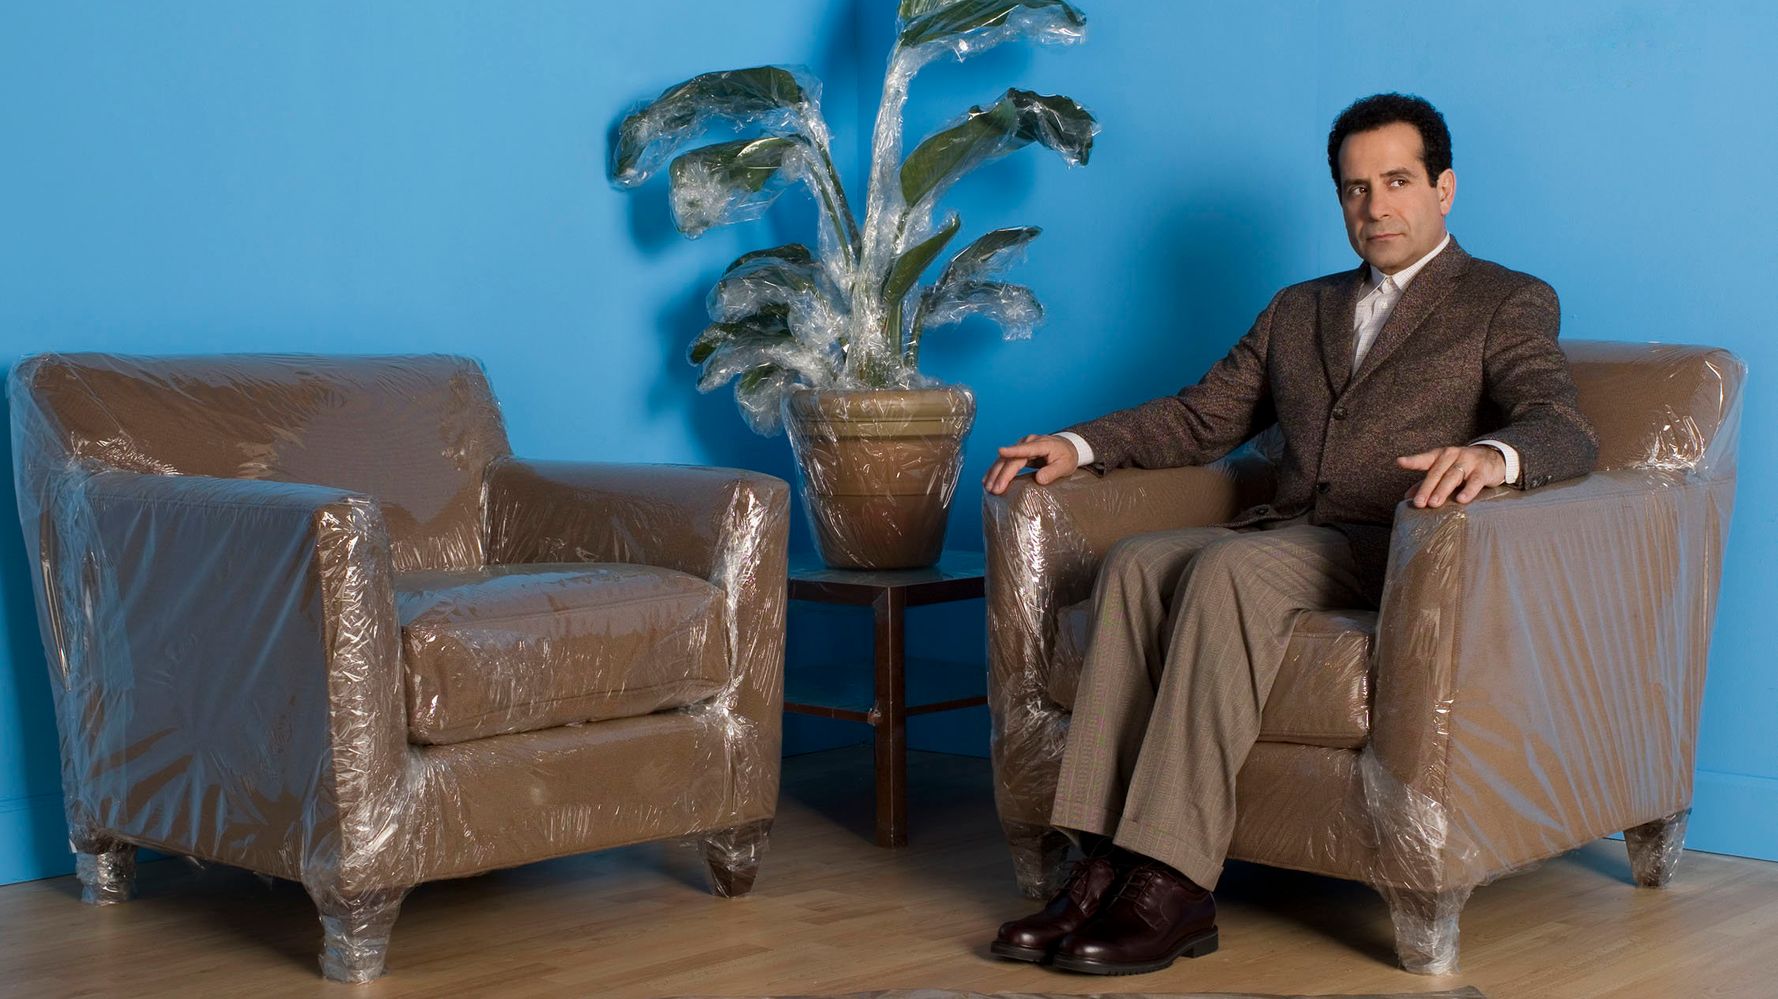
[(1373, 310)]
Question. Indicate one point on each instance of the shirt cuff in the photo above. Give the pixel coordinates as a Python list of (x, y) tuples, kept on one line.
[(1510, 453), (1083, 452)]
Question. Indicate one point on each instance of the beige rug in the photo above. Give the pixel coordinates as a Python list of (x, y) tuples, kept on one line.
[(1465, 992)]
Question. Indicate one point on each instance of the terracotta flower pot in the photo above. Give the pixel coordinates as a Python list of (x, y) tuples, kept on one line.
[(878, 470)]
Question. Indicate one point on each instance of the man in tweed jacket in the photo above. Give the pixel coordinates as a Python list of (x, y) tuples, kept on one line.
[(1424, 374)]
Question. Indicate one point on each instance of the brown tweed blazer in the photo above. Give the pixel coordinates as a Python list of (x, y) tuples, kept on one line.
[(1468, 353)]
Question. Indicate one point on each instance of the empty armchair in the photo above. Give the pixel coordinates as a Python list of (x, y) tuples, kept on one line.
[(1531, 681), (308, 616)]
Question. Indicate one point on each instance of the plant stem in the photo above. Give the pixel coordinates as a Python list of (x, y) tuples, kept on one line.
[(892, 329), (871, 334), (838, 209), (910, 355)]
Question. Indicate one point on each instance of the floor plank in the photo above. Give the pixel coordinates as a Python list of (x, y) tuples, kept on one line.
[(832, 912)]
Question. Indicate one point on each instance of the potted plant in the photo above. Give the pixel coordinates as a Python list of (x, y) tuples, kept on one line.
[(826, 341)]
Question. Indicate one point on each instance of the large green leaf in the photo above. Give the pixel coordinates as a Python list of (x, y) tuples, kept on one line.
[(1016, 120), (766, 358), (797, 270), (759, 390), (993, 252), (911, 9), (759, 393), (911, 264), (1013, 306), (953, 22), (732, 181), (766, 327), (789, 253), (963, 289), (769, 96), (787, 276)]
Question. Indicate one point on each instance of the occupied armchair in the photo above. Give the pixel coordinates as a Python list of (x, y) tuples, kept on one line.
[(310, 617), (1531, 681)]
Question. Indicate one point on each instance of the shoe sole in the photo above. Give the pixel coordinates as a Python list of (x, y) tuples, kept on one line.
[(1012, 953), (1198, 946)]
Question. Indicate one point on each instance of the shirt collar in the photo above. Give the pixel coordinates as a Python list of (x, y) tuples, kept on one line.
[(1406, 275)]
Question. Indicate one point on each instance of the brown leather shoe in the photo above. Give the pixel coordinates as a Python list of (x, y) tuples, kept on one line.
[(1156, 916), (1034, 937)]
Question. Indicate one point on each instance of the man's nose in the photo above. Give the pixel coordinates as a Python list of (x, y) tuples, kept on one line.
[(1375, 208)]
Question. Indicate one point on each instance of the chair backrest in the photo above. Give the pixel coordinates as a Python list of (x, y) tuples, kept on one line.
[(1654, 405), (415, 432)]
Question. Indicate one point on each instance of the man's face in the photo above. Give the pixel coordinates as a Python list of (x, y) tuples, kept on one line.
[(1395, 213)]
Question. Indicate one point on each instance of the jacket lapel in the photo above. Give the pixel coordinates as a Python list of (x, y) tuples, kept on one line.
[(1422, 298), (1338, 300)]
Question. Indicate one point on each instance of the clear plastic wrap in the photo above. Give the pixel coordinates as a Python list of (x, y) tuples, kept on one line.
[(107, 876), (828, 342), (309, 617), (1655, 848), (1536, 666)]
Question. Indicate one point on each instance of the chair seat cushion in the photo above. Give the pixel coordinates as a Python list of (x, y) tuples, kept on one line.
[(525, 647), (1320, 698)]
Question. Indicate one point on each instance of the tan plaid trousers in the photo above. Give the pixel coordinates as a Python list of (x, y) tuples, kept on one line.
[(1189, 631)]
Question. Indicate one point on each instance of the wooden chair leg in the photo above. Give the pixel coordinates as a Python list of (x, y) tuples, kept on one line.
[(733, 856), (1426, 928), (1655, 848), (1039, 858), (107, 870), (355, 932)]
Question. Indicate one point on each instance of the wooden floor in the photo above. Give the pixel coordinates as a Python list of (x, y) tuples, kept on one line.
[(834, 913)]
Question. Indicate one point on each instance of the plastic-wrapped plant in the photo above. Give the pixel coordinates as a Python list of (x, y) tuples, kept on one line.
[(850, 314)]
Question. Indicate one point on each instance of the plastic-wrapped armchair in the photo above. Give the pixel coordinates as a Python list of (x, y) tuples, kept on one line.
[(1531, 682), (308, 616)]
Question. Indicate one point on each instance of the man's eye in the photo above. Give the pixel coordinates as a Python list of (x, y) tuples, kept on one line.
[(1398, 182), (1355, 190)]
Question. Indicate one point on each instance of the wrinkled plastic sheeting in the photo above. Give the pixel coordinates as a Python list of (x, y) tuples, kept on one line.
[(1538, 665), (877, 470), (228, 552), (106, 877)]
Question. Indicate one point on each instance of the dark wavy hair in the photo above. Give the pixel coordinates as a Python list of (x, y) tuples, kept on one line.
[(1377, 110)]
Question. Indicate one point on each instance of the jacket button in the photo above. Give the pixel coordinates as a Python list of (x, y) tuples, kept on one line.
[(1339, 412), (1323, 487)]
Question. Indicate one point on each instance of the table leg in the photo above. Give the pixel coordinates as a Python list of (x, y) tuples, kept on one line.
[(891, 731)]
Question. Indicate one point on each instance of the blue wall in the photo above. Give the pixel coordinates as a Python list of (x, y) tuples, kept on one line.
[(393, 177)]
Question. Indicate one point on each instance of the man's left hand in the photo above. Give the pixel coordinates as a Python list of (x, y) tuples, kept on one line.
[(1465, 471)]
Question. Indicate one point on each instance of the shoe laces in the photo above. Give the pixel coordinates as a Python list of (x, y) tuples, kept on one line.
[(1078, 876), (1132, 887)]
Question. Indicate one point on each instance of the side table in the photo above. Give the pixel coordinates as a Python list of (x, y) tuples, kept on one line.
[(957, 576)]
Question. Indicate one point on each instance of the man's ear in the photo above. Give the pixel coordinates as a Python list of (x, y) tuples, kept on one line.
[(1447, 190)]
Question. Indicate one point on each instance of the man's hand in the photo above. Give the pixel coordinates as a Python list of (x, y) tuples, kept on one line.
[(1447, 468), (1053, 456)]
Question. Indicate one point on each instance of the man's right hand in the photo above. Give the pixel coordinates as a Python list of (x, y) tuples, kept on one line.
[(1054, 458)]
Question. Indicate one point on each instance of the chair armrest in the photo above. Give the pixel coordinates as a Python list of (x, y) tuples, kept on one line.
[(691, 518), (1044, 547), (229, 684), (1062, 531), (1540, 665), (725, 525)]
